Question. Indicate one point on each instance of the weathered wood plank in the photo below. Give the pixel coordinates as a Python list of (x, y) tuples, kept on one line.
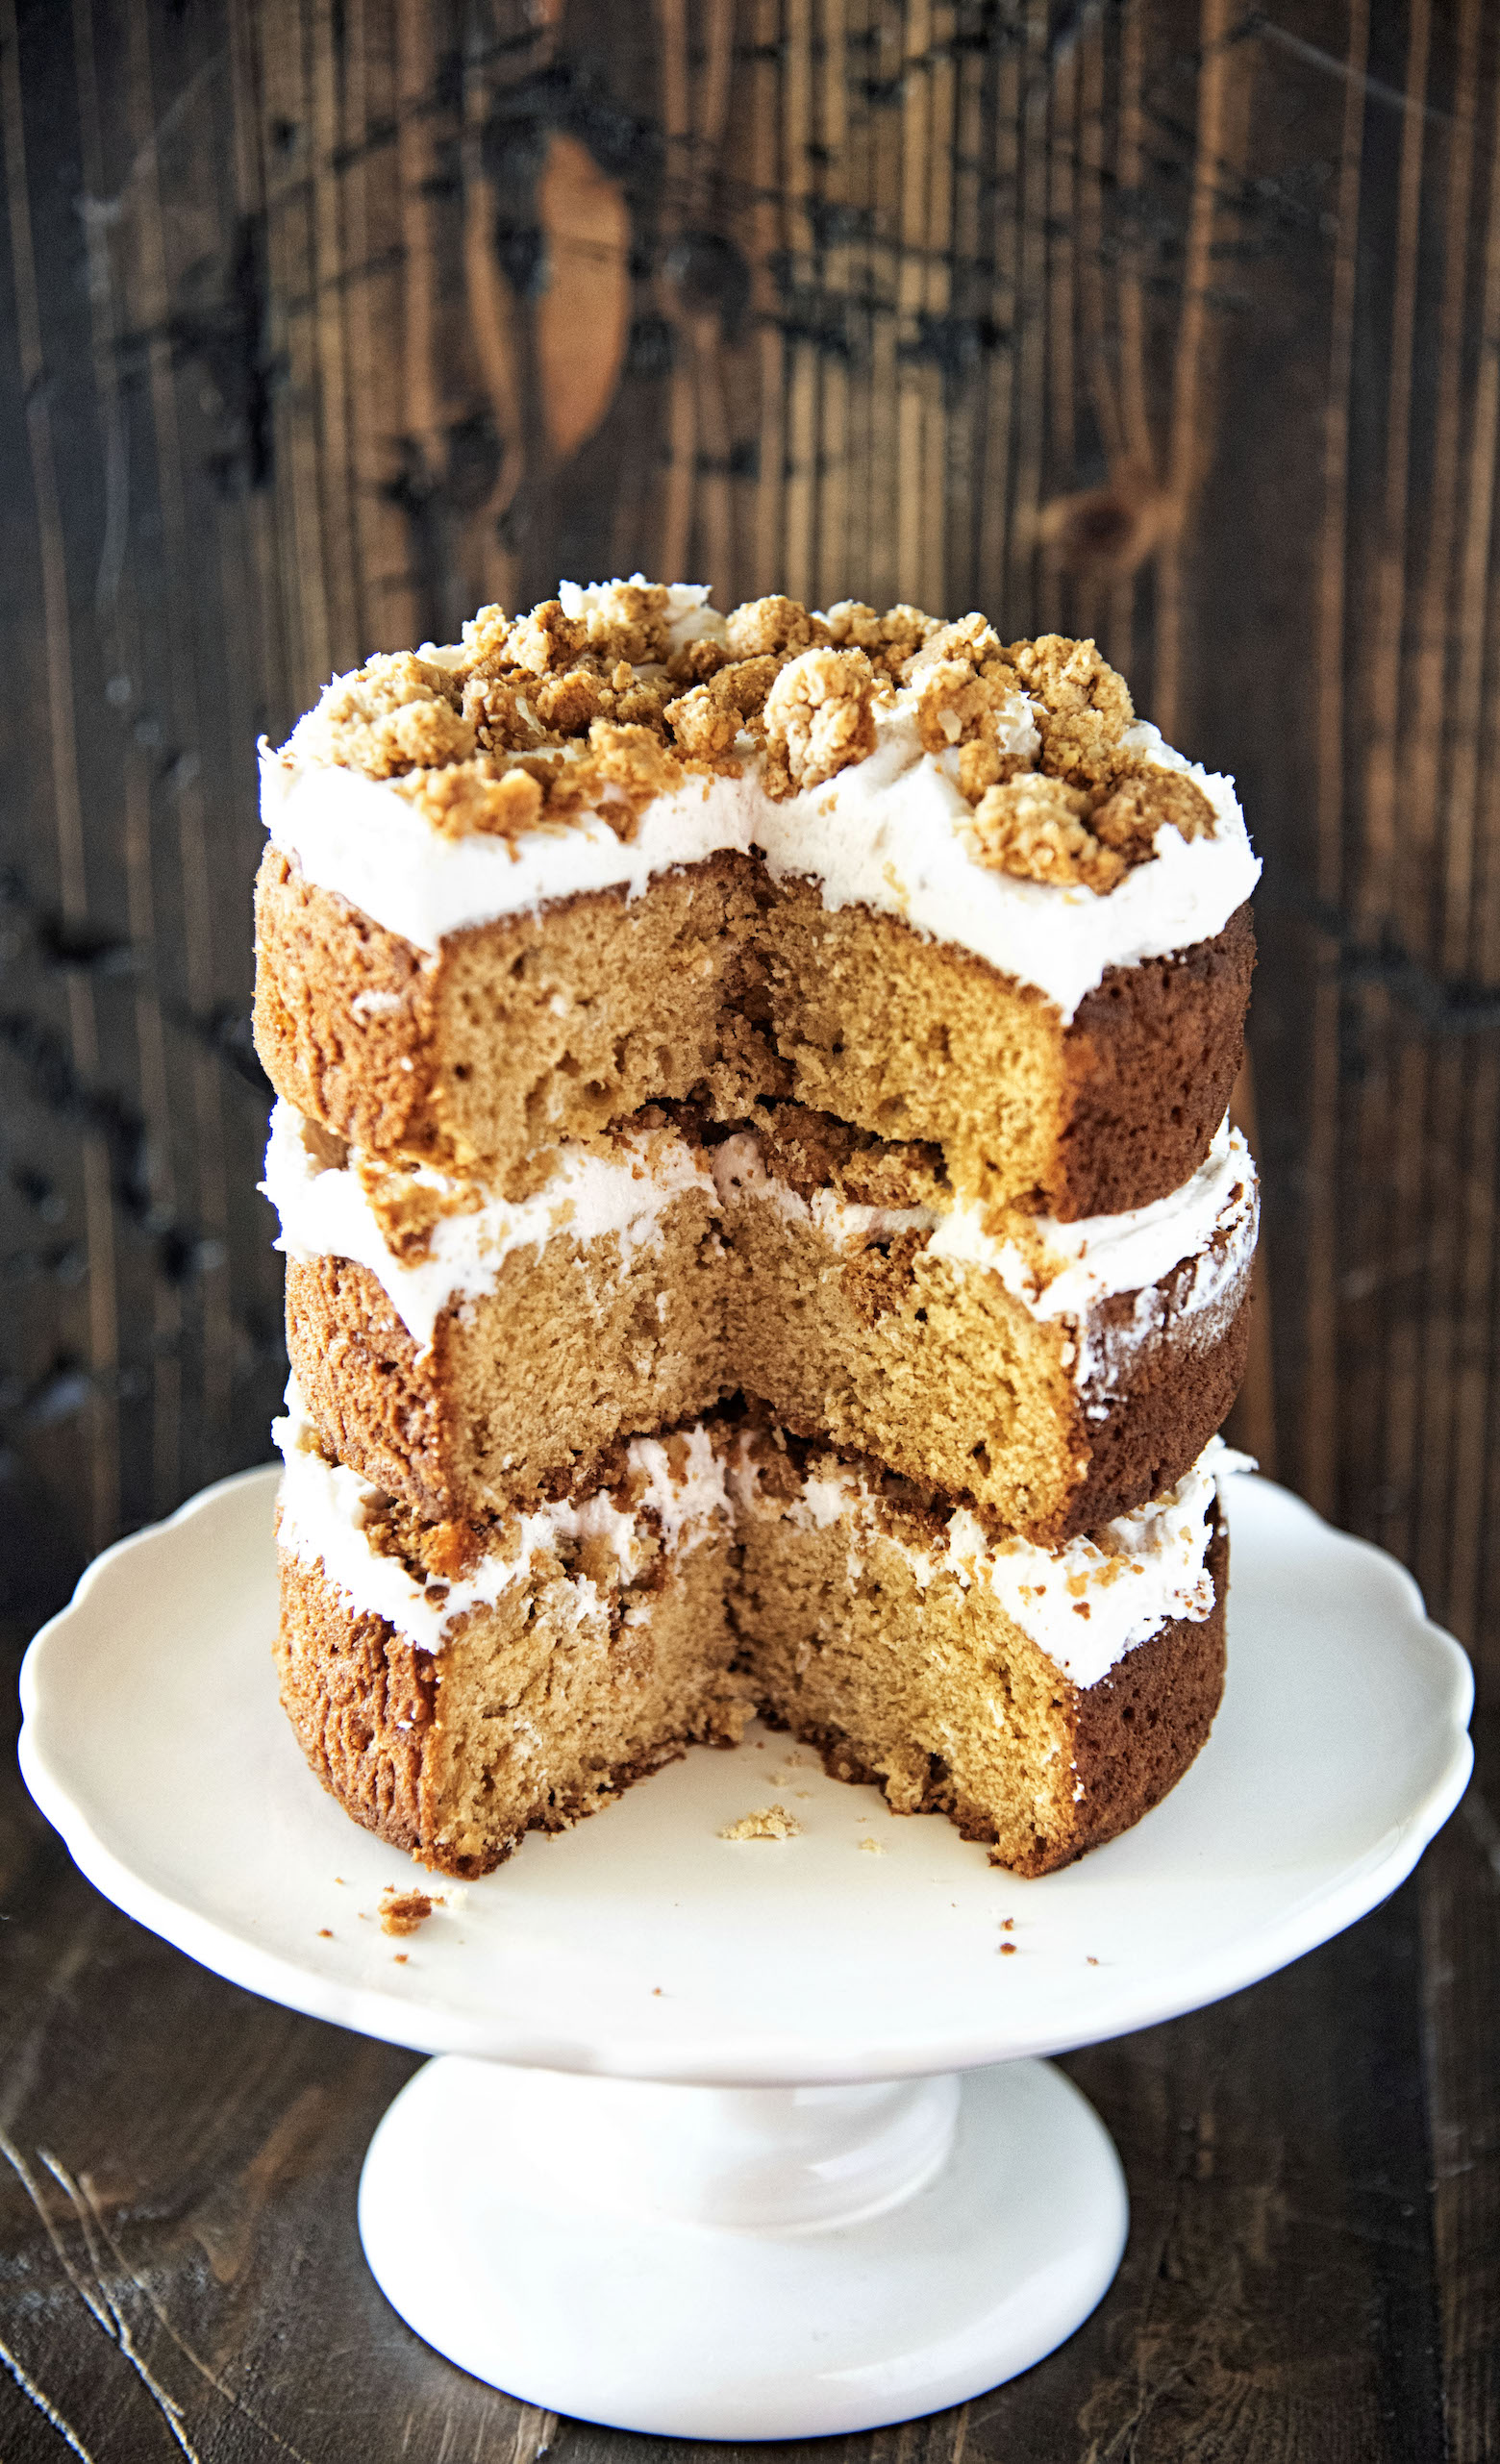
[(172, 2224), (1157, 319)]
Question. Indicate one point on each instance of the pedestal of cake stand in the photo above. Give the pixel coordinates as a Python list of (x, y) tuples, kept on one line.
[(743, 2263), (700, 2159)]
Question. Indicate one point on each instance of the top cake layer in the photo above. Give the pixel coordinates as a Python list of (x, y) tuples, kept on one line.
[(1001, 798)]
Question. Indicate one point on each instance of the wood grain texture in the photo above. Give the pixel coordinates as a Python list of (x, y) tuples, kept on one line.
[(323, 322), (180, 2272)]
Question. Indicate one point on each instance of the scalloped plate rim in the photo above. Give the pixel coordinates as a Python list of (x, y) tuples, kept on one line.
[(770, 2058)]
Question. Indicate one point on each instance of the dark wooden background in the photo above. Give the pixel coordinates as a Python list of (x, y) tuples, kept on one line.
[(322, 322)]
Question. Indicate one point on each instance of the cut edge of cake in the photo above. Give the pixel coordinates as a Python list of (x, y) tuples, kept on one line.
[(455, 1689), (467, 1352)]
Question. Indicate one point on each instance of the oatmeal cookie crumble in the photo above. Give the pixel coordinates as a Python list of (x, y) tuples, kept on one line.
[(535, 720), (819, 717), (1036, 828)]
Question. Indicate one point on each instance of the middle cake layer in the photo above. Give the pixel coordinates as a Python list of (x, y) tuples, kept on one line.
[(468, 1353)]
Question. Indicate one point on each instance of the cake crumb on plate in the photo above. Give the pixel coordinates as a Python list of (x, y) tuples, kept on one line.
[(403, 1911), (771, 1822)]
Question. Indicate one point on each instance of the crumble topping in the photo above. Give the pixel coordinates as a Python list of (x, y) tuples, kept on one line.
[(593, 705), (777, 628), (819, 717), (1145, 796), (1082, 706), (1034, 827), (887, 641)]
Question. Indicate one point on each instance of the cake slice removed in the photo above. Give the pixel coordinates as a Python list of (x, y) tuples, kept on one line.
[(1044, 1700), (455, 1688)]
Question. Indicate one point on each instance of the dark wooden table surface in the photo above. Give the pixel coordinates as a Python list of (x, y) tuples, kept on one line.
[(1313, 2274), (1176, 322)]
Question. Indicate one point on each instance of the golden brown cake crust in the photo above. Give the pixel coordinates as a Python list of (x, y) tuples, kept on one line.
[(717, 984), (1136, 1733), (365, 1705), (360, 1698), (352, 1061), (1151, 1057)]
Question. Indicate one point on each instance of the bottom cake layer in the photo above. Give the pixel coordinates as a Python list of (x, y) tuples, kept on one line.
[(455, 1688), (453, 1697), (1044, 1700)]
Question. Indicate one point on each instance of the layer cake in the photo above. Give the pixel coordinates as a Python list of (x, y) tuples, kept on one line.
[(761, 1225)]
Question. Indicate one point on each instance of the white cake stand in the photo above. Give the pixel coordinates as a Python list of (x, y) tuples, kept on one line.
[(742, 2140)]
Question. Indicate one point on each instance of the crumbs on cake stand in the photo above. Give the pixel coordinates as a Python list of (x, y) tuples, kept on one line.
[(770, 1821)]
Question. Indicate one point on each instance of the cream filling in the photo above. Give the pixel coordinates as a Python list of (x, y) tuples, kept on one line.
[(1085, 1605), (326, 1213), (324, 1509), (1064, 1271), (885, 833), (1067, 1271)]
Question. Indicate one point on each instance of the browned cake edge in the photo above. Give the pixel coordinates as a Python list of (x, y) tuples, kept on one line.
[(1145, 1072), (1135, 1734), (363, 1699), (1150, 1060), (1178, 1396), (387, 1407)]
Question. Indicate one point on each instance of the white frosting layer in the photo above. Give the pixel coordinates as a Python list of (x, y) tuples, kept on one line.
[(326, 1213), (362, 838), (1085, 1605), (1064, 1271), (324, 1509), (1140, 1571), (1212, 1220), (885, 833)]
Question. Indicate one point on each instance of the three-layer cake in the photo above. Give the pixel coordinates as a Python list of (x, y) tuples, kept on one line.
[(762, 1228)]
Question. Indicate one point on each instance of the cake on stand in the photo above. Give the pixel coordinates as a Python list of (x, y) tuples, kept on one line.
[(742, 2139)]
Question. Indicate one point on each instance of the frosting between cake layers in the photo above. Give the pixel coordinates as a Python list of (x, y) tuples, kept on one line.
[(1087, 1604), (1056, 1271), (324, 1507), (1063, 1270), (886, 833), (326, 1213), (1138, 1573)]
